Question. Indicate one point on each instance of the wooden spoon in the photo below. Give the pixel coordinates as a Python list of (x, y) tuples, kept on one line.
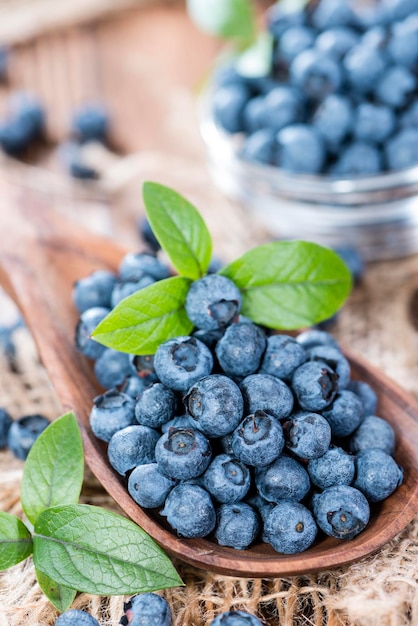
[(41, 255)]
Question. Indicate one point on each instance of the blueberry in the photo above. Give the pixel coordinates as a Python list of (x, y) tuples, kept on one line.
[(181, 361), (367, 395), (227, 479), (23, 433), (5, 423), (183, 453), (73, 158), (400, 9), (237, 525), (315, 385), (111, 368), (26, 109), (345, 414), (341, 511), (73, 617), (264, 509), (132, 446), (315, 74), (283, 479), (125, 288), (236, 618), (209, 337), (143, 366), (332, 13), (258, 440), (314, 337), (91, 123), (335, 467), (334, 119), (278, 19), (364, 66), (353, 259), (402, 149), (94, 290), (190, 511), (156, 405), (373, 432), (148, 486), (134, 265), (334, 358), (111, 412), (87, 323), (358, 158), (290, 527), (396, 86), (240, 349), (308, 435), (337, 41), (300, 149), (282, 356), (15, 137), (228, 107), (293, 41), (266, 393), (147, 234), (133, 385), (215, 404), (403, 43), (146, 609), (213, 302), (260, 146), (377, 474), (373, 123), (410, 116), (282, 106), (181, 421)]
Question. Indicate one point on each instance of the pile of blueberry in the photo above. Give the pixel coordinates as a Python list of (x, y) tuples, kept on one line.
[(149, 609), (19, 435), (342, 95), (233, 433)]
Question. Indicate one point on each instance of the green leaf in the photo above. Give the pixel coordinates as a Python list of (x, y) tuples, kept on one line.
[(140, 322), (256, 60), (61, 597), (15, 541), (53, 471), (179, 228), (290, 284), (96, 551), (228, 19)]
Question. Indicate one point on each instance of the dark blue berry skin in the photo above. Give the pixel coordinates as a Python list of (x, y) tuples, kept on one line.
[(227, 479), (301, 149), (293, 41), (148, 486), (334, 358), (260, 146), (132, 446), (373, 432), (336, 41), (315, 74), (308, 435), (147, 609), (182, 361), (264, 509), (402, 149), (396, 86), (213, 302), (315, 385), (354, 261), (134, 265), (237, 525), (111, 412), (258, 440), (410, 116), (156, 405), (209, 337), (375, 36), (364, 66), (282, 106), (73, 617), (403, 44), (334, 120), (29, 113), (190, 511), (228, 107), (314, 337), (86, 325), (335, 467), (91, 123), (278, 20), (181, 421), (133, 385), (377, 474), (14, 137), (111, 368), (400, 9), (183, 453), (367, 395), (341, 511), (283, 479), (123, 289), (143, 366), (266, 393), (236, 618), (358, 158), (345, 414), (282, 356), (240, 349), (5, 423), (373, 123), (333, 13), (216, 405), (147, 234), (94, 291), (23, 433), (290, 527)]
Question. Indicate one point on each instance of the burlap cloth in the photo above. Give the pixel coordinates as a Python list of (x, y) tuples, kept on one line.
[(380, 321)]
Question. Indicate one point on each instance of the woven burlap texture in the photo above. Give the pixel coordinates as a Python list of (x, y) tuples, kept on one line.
[(380, 590)]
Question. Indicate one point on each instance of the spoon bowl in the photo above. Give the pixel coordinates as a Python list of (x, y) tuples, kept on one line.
[(42, 254)]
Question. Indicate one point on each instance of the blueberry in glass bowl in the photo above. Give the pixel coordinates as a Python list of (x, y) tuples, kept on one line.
[(324, 145)]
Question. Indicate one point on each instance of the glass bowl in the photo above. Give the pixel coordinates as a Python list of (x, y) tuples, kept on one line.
[(378, 215)]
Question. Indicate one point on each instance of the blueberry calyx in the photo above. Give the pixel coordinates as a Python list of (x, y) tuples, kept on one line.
[(344, 523), (328, 382), (224, 312), (186, 355), (255, 427), (181, 441)]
